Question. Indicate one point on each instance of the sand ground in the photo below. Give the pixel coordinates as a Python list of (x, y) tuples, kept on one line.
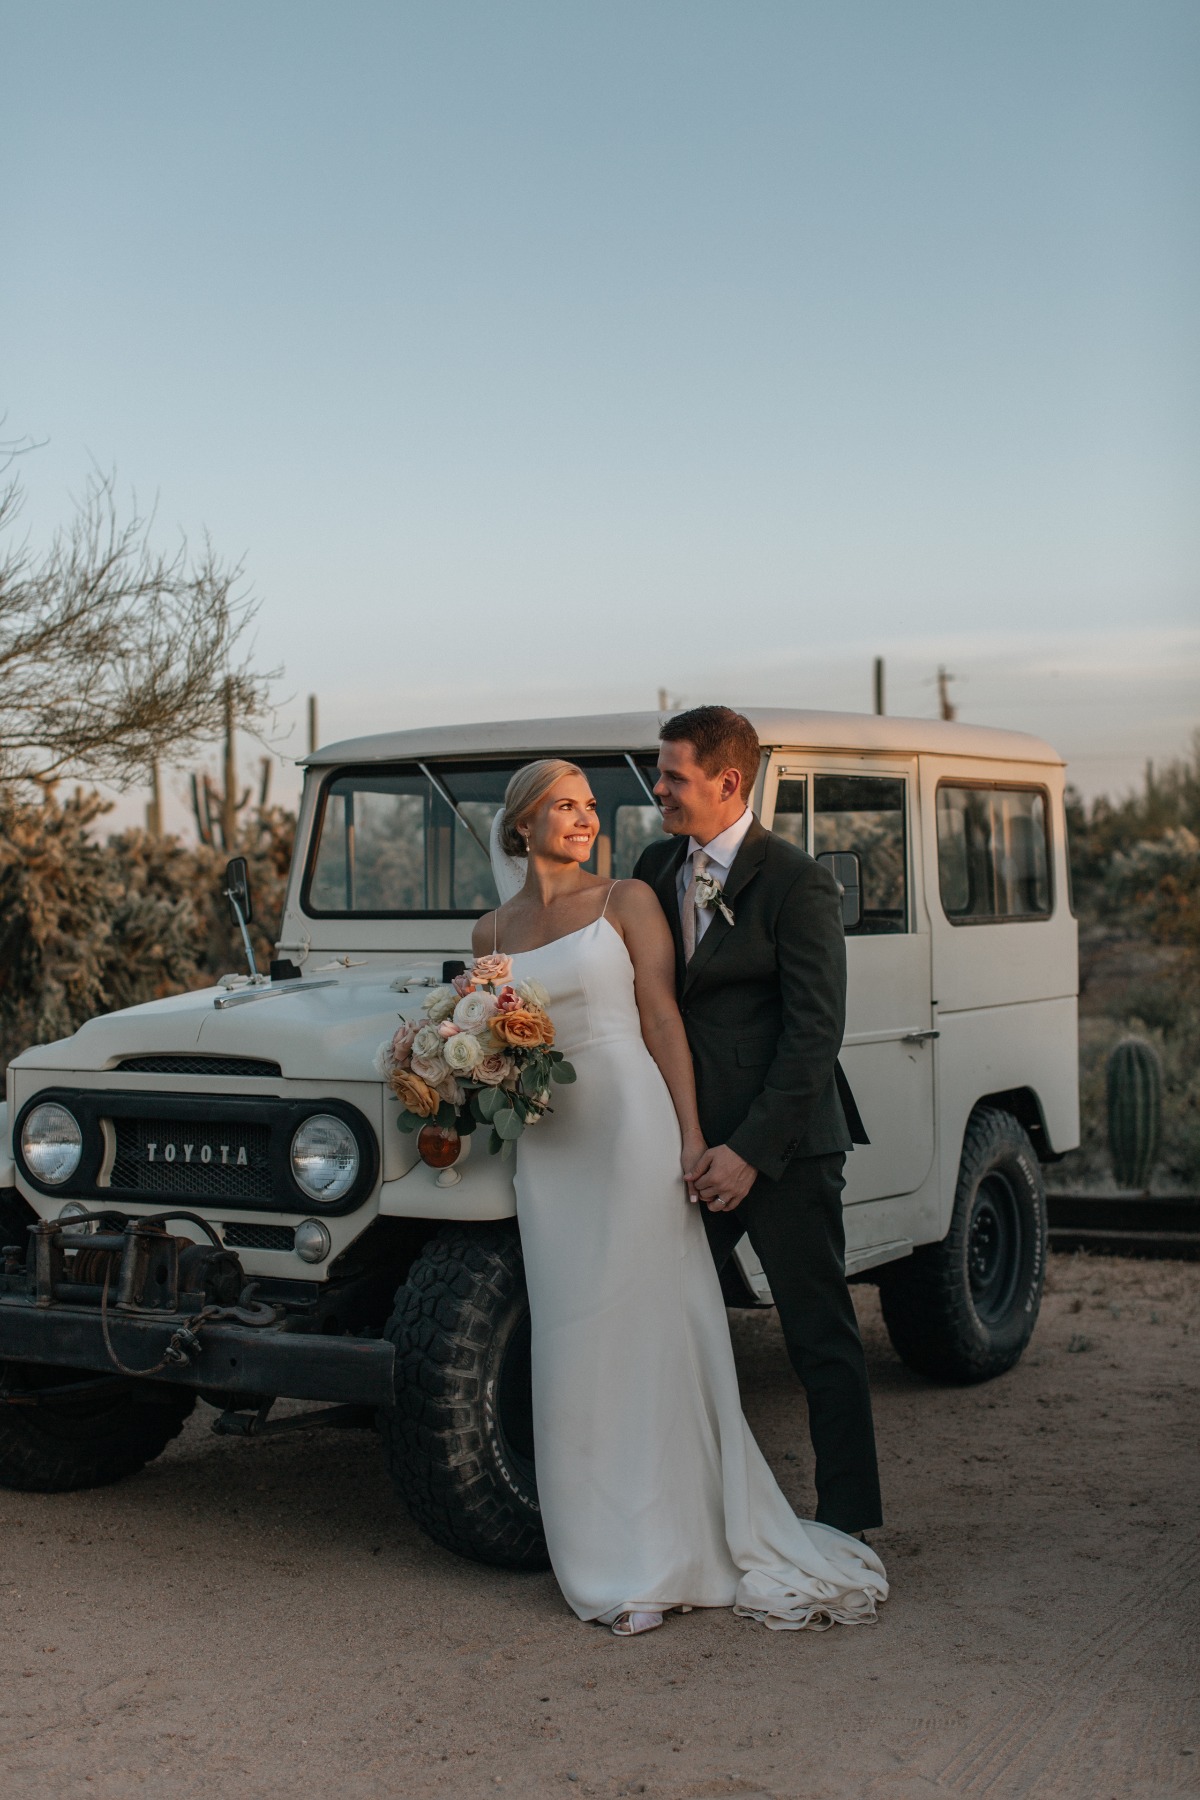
[(261, 1619)]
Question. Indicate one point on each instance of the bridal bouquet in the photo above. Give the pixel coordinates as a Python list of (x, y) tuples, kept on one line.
[(484, 1056)]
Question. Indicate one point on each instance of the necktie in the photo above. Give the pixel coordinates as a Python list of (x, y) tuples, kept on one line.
[(691, 912)]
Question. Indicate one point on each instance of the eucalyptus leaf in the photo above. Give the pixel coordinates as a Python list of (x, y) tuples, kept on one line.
[(506, 1149), (409, 1121), (495, 1142), (490, 1100), (467, 1122), (532, 1080), (446, 1116), (563, 1072), (507, 1125)]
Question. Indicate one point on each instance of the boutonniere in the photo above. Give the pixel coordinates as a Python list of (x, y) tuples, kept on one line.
[(711, 894)]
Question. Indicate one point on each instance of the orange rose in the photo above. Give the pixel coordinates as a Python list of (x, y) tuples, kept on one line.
[(522, 1029), (414, 1094)]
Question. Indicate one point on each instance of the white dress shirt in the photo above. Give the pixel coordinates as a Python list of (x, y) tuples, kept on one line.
[(720, 853)]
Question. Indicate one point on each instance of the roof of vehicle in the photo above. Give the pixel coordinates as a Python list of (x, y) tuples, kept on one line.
[(777, 727)]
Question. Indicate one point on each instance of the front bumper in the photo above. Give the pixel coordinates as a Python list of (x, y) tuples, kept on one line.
[(231, 1359)]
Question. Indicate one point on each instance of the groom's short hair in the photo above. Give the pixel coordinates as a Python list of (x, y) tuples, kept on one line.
[(721, 738)]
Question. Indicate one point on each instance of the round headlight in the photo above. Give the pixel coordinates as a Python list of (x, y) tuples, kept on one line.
[(313, 1242), (72, 1210), (324, 1157), (51, 1143)]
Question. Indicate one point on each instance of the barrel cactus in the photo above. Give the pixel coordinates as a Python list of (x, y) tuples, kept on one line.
[(1135, 1086)]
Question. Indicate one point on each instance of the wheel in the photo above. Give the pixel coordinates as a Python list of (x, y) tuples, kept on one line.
[(459, 1441), (80, 1439), (964, 1310)]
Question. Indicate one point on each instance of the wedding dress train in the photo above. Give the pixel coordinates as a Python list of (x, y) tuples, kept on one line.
[(653, 1491)]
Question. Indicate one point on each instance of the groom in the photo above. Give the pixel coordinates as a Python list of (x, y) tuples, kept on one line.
[(761, 975)]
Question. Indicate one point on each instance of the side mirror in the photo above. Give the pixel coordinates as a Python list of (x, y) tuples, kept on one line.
[(846, 870), (237, 891)]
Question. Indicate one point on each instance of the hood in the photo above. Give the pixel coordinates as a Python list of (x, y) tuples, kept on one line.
[(314, 1034)]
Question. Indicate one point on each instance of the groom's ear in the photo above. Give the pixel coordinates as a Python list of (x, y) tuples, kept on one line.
[(731, 783)]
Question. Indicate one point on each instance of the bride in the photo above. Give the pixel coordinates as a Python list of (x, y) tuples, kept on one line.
[(654, 1494)]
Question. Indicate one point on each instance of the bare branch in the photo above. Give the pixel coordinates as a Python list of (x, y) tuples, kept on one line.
[(113, 653)]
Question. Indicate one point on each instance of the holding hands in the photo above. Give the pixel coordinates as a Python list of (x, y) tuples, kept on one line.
[(719, 1177)]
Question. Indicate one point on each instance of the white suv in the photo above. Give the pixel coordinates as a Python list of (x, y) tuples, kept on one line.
[(209, 1195)]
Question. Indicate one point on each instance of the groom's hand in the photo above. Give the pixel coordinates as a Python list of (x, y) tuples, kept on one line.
[(722, 1178)]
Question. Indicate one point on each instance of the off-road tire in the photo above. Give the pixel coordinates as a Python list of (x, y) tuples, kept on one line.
[(80, 1440), (964, 1310), (459, 1441)]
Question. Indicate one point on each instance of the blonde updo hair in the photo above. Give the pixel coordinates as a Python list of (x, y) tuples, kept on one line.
[(527, 787)]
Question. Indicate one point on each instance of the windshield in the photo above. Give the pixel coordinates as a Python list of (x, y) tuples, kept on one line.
[(410, 840)]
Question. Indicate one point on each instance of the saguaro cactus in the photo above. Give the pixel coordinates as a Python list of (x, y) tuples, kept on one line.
[(1135, 1083)]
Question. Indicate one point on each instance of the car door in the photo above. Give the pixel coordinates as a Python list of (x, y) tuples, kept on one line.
[(866, 807)]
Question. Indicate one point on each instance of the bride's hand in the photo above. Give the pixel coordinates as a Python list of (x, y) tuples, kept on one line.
[(694, 1147)]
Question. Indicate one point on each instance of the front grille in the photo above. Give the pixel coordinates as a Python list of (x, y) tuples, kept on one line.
[(229, 1161), (199, 1065), (258, 1237)]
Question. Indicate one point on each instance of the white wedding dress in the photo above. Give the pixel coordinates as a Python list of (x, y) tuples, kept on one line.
[(654, 1494)]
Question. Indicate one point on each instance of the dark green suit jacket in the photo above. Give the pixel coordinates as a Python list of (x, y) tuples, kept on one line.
[(764, 1003)]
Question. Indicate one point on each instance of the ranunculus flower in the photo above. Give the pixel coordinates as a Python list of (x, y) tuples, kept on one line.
[(439, 1005), (523, 1030), (462, 1053), (448, 1029), (494, 1069), (491, 971), (534, 994), (508, 999), (427, 1042), (415, 1095), (474, 1010)]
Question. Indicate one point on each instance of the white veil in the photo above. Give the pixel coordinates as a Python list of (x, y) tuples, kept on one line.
[(508, 872)]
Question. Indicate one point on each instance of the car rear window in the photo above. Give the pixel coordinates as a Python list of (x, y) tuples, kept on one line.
[(993, 853)]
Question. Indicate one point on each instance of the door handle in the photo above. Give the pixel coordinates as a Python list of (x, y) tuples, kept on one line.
[(919, 1037)]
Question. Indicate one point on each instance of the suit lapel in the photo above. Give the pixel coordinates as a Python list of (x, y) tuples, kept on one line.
[(746, 865), (666, 886)]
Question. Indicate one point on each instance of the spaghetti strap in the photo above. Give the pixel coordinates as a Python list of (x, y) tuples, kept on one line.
[(607, 898), (495, 931)]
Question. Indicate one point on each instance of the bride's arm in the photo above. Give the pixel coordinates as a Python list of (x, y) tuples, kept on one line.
[(637, 915)]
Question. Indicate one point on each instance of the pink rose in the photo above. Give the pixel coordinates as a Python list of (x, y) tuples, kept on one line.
[(448, 1029), (493, 1070), (507, 1000), (402, 1043), (462, 984), (490, 971)]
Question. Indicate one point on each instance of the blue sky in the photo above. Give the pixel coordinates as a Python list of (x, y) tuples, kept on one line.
[(538, 355)]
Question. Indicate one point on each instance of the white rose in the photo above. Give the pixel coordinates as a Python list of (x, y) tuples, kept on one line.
[(534, 994), (462, 1053), (430, 1068), (474, 1010), (427, 1043), (440, 1004)]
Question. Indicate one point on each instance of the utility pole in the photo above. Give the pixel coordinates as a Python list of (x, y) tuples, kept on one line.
[(312, 723), (946, 707), (229, 799), (880, 708)]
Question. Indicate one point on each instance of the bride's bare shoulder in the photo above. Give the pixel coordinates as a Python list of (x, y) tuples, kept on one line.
[(635, 906), (487, 931)]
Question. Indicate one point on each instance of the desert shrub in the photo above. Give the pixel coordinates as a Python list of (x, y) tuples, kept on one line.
[(86, 926)]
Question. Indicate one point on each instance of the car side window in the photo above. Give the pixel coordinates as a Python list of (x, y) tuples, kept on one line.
[(866, 816), (993, 854), (791, 805)]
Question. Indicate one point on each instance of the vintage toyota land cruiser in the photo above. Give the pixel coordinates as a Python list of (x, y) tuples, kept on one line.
[(208, 1196)]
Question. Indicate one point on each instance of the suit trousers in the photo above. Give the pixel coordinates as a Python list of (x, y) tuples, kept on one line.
[(796, 1228)]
